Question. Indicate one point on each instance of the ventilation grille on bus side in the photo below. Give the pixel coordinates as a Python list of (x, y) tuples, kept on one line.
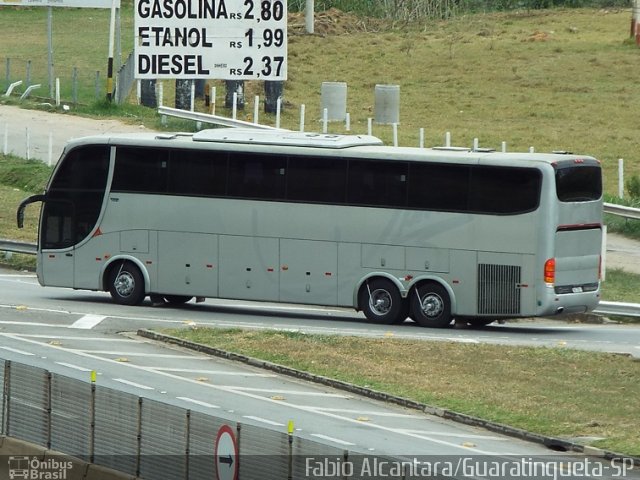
[(498, 289)]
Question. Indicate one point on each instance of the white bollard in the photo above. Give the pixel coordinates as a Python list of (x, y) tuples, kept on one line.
[(28, 145), (447, 139), (234, 108), (256, 108), (278, 110), (5, 150), (370, 126), (620, 178), (476, 144), (347, 122), (325, 120), (50, 157), (57, 92), (302, 109), (395, 134), (421, 143), (504, 147)]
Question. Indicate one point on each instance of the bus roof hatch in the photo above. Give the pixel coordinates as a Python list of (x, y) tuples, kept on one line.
[(284, 137)]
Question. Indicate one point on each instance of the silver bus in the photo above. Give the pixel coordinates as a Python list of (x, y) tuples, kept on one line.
[(336, 220)]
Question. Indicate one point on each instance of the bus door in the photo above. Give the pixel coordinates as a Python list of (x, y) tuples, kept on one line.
[(57, 255)]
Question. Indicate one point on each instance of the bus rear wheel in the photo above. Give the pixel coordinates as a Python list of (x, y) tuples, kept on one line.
[(381, 302), (430, 306), (126, 284)]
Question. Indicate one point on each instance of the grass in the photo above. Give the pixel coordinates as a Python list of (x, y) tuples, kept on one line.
[(557, 392)]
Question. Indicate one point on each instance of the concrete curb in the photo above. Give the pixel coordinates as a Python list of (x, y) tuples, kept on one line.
[(555, 444)]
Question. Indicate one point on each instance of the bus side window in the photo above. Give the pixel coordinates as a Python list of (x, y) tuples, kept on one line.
[(377, 183), (140, 170), (255, 175), (197, 173), (317, 179)]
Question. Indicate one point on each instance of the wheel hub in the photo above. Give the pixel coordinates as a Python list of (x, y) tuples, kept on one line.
[(124, 284), (380, 302), (432, 305)]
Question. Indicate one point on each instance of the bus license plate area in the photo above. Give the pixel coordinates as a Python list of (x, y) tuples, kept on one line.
[(576, 289)]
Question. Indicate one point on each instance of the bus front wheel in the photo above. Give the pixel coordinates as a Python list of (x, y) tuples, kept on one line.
[(126, 284), (430, 306), (381, 302)]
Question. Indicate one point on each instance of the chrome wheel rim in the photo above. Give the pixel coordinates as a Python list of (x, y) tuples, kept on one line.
[(124, 284), (380, 302), (432, 305)]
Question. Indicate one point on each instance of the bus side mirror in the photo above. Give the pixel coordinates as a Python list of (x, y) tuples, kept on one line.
[(23, 205)]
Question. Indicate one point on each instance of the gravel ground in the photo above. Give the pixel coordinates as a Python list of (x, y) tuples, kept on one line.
[(46, 133)]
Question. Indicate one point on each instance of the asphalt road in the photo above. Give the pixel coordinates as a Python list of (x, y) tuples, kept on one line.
[(71, 332)]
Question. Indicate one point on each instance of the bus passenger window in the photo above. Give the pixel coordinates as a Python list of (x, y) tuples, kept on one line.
[(377, 183), (254, 175)]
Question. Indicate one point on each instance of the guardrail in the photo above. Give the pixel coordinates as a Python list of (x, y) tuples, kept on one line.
[(18, 247), (621, 210), (620, 309)]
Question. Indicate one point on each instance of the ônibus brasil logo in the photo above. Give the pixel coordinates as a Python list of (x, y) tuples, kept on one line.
[(32, 468)]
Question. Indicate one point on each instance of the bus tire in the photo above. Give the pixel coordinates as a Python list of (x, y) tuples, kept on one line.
[(381, 302), (177, 299), (430, 305), (126, 284)]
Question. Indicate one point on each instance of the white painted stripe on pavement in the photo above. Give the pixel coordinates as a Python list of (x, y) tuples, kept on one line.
[(15, 350), (214, 372), (263, 420), (133, 384), (331, 439), (369, 413), (71, 337), (288, 392), (197, 402), (87, 322), (137, 354), (75, 367), (459, 435)]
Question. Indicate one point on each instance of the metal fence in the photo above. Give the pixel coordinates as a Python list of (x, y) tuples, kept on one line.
[(151, 439)]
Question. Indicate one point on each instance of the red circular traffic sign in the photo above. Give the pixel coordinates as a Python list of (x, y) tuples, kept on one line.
[(226, 452)]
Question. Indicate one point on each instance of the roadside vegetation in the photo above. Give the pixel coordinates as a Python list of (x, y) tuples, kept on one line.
[(586, 396)]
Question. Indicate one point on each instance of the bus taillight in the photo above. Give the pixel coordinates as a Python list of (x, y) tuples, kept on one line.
[(550, 271)]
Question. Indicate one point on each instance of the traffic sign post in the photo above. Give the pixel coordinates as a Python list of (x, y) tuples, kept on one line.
[(226, 454)]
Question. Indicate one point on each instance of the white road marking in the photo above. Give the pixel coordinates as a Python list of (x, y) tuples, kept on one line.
[(331, 439), (198, 402), (15, 350), (214, 372), (263, 420), (70, 337), (137, 354), (75, 367), (133, 384), (30, 324), (361, 412), (87, 322), (458, 435), (289, 392)]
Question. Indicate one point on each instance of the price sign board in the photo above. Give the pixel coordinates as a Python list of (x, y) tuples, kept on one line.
[(222, 39)]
